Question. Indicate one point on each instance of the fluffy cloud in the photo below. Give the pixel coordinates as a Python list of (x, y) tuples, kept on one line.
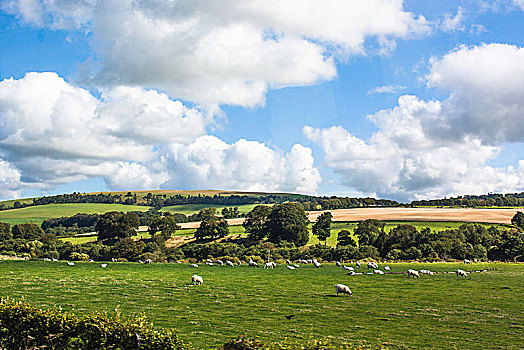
[(53, 133), (519, 3), (9, 181), (487, 92), (211, 163), (228, 51), (425, 149)]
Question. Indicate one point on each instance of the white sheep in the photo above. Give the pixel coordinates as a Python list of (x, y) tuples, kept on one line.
[(372, 265), (209, 263), (357, 263), (103, 265), (252, 263), (461, 273), (70, 263), (288, 262), (337, 263), (229, 263), (317, 264), (387, 268), (269, 265), (467, 261), (220, 262), (296, 265), (342, 288), (378, 272), (196, 279), (413, 273), (193, 265), (349, 268), (148, 261), (426, 272), (291, 267)]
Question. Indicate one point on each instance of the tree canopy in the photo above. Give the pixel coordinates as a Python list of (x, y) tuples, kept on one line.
[(287, 222), (116, 225), (255, 220), (322, 227), (211, 225)]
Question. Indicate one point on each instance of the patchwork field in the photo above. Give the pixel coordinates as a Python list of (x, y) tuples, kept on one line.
[(40, 213), (483, 311)]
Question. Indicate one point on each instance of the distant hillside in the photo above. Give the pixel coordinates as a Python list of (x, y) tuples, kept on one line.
[(485, 200)]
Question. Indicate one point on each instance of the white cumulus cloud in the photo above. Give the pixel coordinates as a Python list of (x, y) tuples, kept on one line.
[(53, 133), (426, 149), (228, 51)]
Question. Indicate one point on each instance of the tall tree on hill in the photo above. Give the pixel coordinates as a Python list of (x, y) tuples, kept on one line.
[(287, 222), (518, 220), (115, 225), (368, 231), (5, 231), (211, 225), (322, 227), (255, 220), (27, 231)]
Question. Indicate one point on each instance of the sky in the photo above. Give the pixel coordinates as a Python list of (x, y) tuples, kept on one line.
[(391, 99)]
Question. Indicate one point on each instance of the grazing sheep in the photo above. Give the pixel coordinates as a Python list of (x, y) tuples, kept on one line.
[(461, 273), (337, 263), (179, 262), (350, 268), (353, 273), (269, 265), (148, 261), (342, 288), (372, 265), (196, 279), (413, 273), (387, 268), (426, 272), (467, 261), (103, 265), (70, 263), (193, 265), (357, 263), (288, 262), (114, 259), (239, 262), (378, 272), (91, 260), (291, 267), (229, 263), (296, 265), (209, 263), (252, 263), (220, 262), (317, 264)]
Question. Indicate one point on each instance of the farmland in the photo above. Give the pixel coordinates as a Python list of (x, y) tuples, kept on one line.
[(439, 312)]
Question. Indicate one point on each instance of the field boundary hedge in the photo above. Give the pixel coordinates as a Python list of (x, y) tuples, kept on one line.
[(24, 326)]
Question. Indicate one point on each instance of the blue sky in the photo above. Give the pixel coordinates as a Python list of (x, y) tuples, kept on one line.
[(392, 99)]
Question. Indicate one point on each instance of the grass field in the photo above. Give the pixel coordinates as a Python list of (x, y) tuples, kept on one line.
[(189, 209), (39, 213), (483, 311)]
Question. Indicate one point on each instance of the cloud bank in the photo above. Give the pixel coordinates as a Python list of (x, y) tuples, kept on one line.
[(224, 52), (426, 149), (54, 133)]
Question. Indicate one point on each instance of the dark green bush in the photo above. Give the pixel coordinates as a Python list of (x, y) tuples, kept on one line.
[(23, 326)]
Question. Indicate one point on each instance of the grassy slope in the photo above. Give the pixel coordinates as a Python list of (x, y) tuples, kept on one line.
[(438, 312), (189, 209), (40, 213)]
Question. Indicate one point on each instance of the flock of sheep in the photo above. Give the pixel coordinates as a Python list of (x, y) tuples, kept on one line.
[(339, 288)]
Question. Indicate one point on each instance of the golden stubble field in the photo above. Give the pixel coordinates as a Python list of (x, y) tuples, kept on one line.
[(490, 215)]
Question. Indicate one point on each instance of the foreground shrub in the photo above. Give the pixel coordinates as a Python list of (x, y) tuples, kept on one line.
[(243, 343), (23, 326)]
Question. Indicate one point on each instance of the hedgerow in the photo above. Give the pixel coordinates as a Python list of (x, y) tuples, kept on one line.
[(24, 326)]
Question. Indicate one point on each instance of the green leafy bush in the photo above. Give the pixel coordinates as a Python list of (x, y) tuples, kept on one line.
[(23, 326)]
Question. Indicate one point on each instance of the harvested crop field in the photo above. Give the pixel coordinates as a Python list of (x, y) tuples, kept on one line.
[(496, 216)]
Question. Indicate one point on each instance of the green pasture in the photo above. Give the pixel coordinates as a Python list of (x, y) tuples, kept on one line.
[(37, 214), (443, 311), (189, 209)]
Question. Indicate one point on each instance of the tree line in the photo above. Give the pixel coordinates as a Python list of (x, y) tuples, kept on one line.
[(487, 200)]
